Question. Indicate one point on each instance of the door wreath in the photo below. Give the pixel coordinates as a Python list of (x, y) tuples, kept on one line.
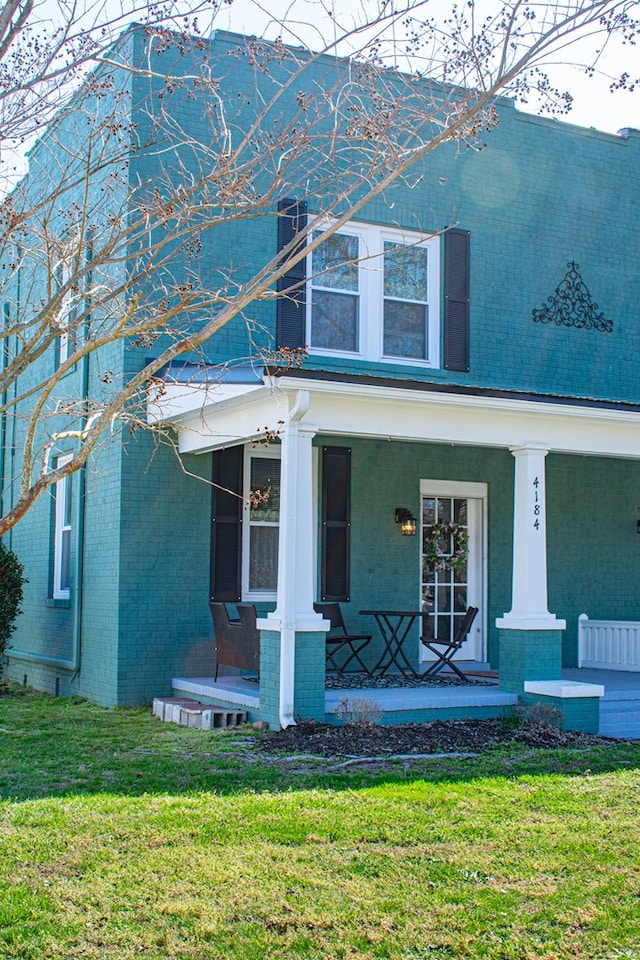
[(459, 538)]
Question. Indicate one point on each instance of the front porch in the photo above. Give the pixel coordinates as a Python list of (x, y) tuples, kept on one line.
[(619, 707), (343, 456), (396, 704)]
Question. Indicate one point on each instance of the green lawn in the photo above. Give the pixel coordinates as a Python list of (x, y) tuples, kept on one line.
[(124, 837)]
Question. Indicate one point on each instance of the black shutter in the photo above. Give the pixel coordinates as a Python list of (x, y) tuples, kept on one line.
[(456, 300), (336, 523), (290, 309), (226, 525)]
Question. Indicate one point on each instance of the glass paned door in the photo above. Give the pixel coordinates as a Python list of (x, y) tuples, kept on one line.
[(451, 568)]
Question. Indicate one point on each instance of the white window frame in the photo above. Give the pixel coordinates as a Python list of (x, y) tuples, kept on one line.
[(251, 453), (69, 307), (66, 307), (371, 240), (255, 596), (61, 527), (477, 494)]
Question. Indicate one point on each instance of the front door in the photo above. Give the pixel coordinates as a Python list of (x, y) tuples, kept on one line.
[(452, 524)]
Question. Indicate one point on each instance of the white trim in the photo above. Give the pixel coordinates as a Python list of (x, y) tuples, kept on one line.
[(477, 493), (396, 413), (274, 452), (455, 488), (60, 528), (63, 348), (251, 453), (529, 600), (68, 311), (563, 689), (370, 292)]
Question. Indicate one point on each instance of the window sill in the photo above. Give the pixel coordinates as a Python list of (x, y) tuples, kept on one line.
[(58, 603)]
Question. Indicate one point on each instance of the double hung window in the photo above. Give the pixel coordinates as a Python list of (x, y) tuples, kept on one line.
[(62, 535), (373, 292), (67, 313), (261, 528)]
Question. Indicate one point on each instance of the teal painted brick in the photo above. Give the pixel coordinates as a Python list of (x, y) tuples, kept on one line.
[(270, 677), (309, 676), (385, 567), (529, 655), (429, 715), (144, 613), (579, 713), (593, 541)]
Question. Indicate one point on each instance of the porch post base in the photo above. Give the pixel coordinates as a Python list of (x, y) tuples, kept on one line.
[(529, 655), (309, 702), (578, 704)]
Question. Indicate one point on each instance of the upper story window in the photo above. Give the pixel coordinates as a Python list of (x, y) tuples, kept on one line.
[(67, 313), (373, 293)]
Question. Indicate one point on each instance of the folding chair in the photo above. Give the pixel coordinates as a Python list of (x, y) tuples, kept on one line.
[(445, 650), (237, 641), (340, 641)]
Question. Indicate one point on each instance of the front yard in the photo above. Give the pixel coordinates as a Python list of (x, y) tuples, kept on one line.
[(124, 837)]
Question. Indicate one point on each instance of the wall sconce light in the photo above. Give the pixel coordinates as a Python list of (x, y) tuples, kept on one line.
[(407, 521)]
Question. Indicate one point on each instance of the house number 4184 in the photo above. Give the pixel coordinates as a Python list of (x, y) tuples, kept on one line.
[(537, 506)]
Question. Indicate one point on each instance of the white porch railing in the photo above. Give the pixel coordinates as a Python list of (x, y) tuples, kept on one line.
[(608, 644)]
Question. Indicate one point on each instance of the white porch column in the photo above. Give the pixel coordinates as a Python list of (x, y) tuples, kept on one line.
[(529, 591), (296, 555)]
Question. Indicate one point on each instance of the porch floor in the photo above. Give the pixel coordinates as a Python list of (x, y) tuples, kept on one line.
[(397, 703), (619, 708)]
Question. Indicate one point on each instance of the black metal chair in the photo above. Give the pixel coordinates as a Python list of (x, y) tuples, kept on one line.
[(445, 650), (338, 640), (237, 641)]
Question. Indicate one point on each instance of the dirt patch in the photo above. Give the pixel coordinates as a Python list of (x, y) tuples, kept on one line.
[(441, 736)]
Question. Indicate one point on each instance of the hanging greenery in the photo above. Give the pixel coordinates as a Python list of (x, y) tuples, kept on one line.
[(454, 533)]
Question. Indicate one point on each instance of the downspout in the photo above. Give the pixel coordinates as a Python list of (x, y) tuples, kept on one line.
[(71, 663), (4, 360), (287, 571)]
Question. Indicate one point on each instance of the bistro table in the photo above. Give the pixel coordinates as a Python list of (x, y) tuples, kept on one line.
[(394, 626)]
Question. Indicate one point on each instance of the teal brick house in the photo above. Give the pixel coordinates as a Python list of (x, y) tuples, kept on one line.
[(469, 357)]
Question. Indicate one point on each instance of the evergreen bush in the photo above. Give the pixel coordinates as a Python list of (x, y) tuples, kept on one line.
[(11, 584)]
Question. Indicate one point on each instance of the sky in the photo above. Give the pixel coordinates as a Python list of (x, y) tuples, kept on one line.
[(594, 104)]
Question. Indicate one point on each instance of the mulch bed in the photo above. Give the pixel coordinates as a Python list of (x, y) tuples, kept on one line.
[(362, 681), (441, 736)]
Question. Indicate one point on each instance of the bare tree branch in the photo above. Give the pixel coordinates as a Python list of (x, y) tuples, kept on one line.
[(99, 264)]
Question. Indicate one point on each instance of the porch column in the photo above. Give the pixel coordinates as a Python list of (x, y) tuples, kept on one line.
[(294, 666), (530, 636)]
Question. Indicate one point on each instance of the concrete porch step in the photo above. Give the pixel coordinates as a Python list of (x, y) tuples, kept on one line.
[(620, 718), (192, 713)]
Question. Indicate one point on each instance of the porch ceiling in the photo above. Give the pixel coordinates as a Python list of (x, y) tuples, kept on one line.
[(208, 419)]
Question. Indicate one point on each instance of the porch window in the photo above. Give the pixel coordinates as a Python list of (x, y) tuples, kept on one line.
[(374, 293), (62, 535), (261, 532)]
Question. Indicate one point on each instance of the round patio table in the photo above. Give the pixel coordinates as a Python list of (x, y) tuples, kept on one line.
[(394, 627)]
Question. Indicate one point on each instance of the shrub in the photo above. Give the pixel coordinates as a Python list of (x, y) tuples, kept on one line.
[(540, 714), (359, 711), (11, 583)]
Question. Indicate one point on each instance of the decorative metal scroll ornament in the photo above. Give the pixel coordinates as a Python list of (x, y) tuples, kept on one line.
[(572, 306)]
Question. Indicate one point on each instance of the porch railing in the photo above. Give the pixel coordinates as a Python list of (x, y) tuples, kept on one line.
[(608, 644)]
